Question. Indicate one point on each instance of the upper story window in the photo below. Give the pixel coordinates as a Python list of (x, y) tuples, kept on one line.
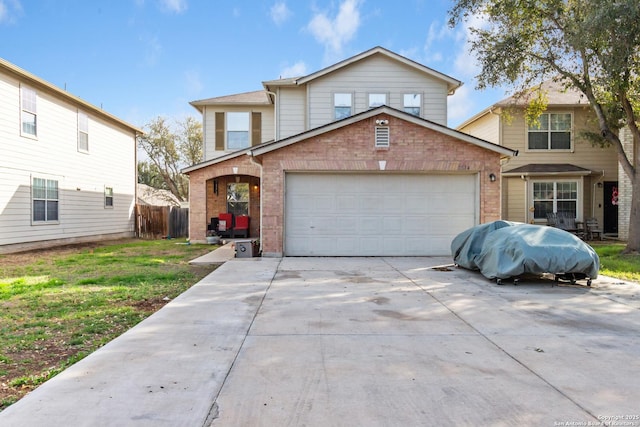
[(552, 133), (28, 112), (44, 196), (83, 132), (237, 131), (377, 99), (342, 105), (412, 103)]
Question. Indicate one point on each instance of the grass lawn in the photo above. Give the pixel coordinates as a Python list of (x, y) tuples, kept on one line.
[(58, 305), (613, 263)]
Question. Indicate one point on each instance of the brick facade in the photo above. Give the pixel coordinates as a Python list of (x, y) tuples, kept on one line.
[(413, 149), (204, 203)]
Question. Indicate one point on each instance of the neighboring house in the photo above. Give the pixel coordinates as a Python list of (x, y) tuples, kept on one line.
[(67, 170), (156, 197), (353, 160), (557, 169)]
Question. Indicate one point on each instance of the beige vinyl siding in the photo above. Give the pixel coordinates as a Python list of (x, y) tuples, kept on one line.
[(81, 176), (584, 154), (513, 200), (291, 111), (209, 125), (376, 74), (486, 127)]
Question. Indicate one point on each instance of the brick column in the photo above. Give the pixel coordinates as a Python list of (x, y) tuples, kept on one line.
[(624, 187)]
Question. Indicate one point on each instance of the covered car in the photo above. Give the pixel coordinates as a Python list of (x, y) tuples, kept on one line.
[(502, 250)]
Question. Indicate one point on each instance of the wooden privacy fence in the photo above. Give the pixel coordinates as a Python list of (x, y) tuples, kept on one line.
[(153, 222)]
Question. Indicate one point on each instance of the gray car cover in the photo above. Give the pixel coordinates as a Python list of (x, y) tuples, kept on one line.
[(502, 249)]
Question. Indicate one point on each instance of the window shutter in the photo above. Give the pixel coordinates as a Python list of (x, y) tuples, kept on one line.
[(219, 131), (256, 128)]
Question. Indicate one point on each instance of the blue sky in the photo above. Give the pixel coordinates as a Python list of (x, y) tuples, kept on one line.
[(139, 59)]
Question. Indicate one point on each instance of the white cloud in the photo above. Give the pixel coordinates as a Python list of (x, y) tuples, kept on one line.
[(9, 11), (173, 6), (193, 82), (460, 106), (296, 70), (465, 63), (153, 49), (440, 37), (280, 13), (333, 33)]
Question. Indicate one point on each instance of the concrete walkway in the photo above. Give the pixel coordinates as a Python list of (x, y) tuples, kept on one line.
[(359, 341)]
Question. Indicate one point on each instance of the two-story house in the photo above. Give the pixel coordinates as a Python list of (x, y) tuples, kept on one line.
[(558, 169), (67, 169), (354, 159)]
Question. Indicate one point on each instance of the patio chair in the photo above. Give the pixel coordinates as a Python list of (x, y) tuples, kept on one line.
[(593, 229), (212, 227), (225, 225), (552, 219), (567, 222), (241, 227)]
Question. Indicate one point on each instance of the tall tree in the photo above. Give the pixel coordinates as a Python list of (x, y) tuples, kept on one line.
[(590, 45), (169, 151)]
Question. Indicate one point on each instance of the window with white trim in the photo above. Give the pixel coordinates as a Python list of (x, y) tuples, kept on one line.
[(342, 105), (412, 103), (108, 197), (83, 132), (553, 132), (377, 99), (237, 130), (28, 112), (554, 197), (44, 197)]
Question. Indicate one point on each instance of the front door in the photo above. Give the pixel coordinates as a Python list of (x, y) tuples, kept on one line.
[(610, 207)]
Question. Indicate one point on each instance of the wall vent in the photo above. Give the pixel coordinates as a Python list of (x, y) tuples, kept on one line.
[(382, 136)]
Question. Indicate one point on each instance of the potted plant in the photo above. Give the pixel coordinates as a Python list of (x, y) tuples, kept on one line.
[(213, 238)]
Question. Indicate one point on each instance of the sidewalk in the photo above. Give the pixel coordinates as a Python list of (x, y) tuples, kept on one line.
[(220, 255)]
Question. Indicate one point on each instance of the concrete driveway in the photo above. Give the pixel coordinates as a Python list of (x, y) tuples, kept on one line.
[(360, 342)]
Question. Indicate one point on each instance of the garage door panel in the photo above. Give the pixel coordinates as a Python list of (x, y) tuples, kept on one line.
[(346, 203), (376, 214)]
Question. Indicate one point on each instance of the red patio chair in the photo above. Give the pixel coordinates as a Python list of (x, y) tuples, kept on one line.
[(241, 227), (225, 224)]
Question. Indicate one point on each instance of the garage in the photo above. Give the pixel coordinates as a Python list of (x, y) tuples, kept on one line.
[(377, 214)]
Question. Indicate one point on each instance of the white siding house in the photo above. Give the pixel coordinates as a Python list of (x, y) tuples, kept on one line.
[(67, 170)]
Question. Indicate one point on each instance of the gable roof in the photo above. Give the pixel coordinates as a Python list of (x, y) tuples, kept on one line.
[(275, 145), (267, 147), (557, 96), (258, 97), (452, 84), (40, 84)]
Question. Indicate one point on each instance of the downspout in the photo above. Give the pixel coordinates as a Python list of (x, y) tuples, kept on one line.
[(255, 162)]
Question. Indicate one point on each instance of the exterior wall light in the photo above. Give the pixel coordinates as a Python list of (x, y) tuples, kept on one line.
[(492, 177)]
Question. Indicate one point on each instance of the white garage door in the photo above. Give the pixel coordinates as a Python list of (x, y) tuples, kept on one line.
[(376, 214)]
